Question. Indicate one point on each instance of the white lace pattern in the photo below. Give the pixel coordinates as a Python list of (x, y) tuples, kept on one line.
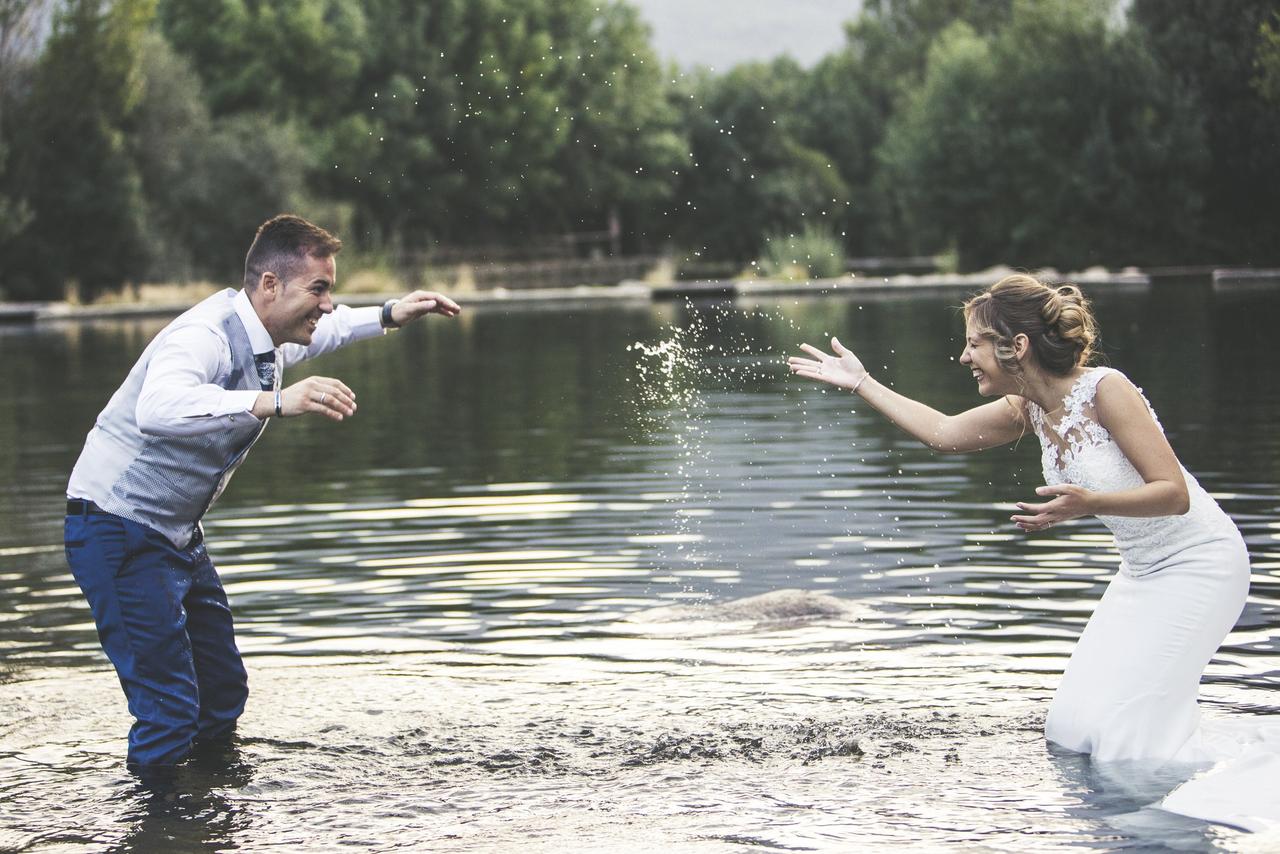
[(1079, 450)]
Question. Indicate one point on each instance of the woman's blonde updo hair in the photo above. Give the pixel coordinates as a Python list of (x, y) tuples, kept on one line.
[(1057, 321)]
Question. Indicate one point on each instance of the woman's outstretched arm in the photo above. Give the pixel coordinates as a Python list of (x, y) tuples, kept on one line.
[(986, 426)]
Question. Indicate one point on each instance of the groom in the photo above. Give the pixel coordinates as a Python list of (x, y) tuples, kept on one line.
[(163, 450)]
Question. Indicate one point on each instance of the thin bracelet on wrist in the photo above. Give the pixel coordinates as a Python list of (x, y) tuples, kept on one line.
[(858, 384), (278, 412)]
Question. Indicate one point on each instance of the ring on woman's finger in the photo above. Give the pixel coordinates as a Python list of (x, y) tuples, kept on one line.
[(323, 395)]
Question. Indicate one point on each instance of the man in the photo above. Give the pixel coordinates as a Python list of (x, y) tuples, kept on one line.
[(162, 451)]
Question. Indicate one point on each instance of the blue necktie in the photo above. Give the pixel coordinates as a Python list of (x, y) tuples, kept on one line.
[(266, 363)]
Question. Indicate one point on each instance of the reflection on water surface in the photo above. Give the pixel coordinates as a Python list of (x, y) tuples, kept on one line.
[(510, 604)]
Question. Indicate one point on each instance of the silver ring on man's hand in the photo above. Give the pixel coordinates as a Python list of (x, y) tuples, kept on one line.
[(323, 395)]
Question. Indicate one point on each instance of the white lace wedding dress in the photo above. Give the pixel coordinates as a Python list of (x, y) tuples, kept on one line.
[(1129, 690)]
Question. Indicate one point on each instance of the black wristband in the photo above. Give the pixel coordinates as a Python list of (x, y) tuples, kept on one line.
[(278, 412), (388, 322)]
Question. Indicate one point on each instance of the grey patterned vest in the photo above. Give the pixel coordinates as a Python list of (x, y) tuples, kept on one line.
[(168, 482)]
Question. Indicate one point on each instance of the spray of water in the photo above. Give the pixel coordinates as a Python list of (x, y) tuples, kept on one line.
[(670, 408), (681, 382)]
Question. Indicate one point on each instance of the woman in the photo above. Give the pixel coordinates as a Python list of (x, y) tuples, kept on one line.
[(1129, 690)]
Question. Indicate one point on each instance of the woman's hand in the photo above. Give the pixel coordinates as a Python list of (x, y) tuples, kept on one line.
[(1071, 502), (843, 370)]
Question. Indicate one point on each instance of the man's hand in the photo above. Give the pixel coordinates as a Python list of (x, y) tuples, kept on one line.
[(419, 303), (325, 395)]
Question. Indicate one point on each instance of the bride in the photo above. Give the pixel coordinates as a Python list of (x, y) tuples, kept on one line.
[(1129, 690)]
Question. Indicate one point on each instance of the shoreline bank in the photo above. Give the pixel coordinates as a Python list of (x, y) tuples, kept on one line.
[(636, 291)]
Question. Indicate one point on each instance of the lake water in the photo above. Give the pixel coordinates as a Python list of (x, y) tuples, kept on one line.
[(551, 590)]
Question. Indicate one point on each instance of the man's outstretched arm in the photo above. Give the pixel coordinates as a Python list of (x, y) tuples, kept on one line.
[(347, 325), (421, 303)]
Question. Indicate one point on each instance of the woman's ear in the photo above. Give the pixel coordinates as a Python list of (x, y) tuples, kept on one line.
[(1021, 344)]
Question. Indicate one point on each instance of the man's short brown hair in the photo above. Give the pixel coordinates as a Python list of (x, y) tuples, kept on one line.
[(281, 245)]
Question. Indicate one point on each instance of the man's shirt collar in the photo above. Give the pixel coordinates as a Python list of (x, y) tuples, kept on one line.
[(259, 337)]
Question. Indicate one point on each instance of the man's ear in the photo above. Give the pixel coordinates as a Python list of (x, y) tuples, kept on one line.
[(268, 284)]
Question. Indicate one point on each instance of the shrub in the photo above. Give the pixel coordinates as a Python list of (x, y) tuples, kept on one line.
[(814, 253)]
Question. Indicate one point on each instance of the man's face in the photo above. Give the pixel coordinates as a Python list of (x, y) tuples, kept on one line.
[(299, 303)]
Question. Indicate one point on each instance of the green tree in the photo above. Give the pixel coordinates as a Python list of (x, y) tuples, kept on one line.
[(456, 120), (842, 117), (278, 79), (847, 101), (70, 158), (295, 60), (749, 175), (1214, 49), (1267, 62), (20, 25), (1055, 141), (14, 212), (19, 22), (206, 182), (504, 120), (625, 147)]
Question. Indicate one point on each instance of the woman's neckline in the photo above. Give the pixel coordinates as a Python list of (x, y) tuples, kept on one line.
[(1062, 404)]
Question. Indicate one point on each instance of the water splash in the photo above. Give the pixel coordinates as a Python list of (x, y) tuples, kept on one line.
[(671, 407), (696, 378)]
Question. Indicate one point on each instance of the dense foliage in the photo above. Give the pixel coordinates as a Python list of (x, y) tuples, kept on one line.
[(145, 139)]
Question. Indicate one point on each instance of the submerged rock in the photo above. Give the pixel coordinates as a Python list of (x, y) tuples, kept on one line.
[(765, 607)]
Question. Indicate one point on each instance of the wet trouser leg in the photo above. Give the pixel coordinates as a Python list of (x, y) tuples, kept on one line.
[(163, 620), (220, 674)]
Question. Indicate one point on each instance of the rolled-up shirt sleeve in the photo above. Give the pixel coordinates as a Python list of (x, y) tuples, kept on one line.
[(179, 397), (344, 326)]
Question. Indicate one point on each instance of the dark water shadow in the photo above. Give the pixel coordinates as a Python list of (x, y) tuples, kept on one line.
[(188, 807)]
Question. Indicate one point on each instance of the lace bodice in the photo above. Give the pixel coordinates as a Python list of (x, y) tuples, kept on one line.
[(1077, 449)]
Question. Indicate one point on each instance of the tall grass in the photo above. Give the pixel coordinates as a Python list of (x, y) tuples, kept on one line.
[(814, 253)]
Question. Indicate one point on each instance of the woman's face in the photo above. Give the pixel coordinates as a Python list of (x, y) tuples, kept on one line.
[(979, 356)]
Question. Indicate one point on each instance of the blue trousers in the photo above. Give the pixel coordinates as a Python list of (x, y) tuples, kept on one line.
[(164, 622)]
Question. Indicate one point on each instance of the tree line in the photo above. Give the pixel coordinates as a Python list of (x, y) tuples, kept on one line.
[(143, 140)]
